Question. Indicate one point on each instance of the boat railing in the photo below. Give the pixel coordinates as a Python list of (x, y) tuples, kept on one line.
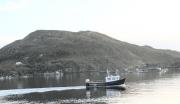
[(88, 80)]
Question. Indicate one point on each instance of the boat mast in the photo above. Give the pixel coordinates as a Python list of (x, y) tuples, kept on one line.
[(107, 71), (117, 72), (108, 74)]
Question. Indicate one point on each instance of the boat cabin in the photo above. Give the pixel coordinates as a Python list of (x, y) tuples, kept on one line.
[(112, 78)]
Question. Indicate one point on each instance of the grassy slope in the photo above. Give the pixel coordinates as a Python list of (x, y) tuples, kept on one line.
[(49, 50)]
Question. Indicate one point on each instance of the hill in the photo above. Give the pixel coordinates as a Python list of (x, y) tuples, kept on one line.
[(52, 50)]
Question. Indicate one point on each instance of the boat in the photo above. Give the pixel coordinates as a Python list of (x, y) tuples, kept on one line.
[(110, 81)]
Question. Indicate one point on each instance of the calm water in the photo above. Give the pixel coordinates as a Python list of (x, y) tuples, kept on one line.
[(141, 88)]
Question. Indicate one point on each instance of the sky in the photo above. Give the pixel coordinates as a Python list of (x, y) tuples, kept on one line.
[(142, 22)]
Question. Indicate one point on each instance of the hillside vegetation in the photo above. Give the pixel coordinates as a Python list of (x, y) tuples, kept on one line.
[(52, 50)]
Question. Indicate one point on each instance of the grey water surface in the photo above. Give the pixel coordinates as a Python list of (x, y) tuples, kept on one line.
[(141, 88)]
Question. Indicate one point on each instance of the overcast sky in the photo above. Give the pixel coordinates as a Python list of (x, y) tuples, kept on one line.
[(143, 22)]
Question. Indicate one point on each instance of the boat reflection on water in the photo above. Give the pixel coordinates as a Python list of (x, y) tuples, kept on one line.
[(108, 92), (112, 93)]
